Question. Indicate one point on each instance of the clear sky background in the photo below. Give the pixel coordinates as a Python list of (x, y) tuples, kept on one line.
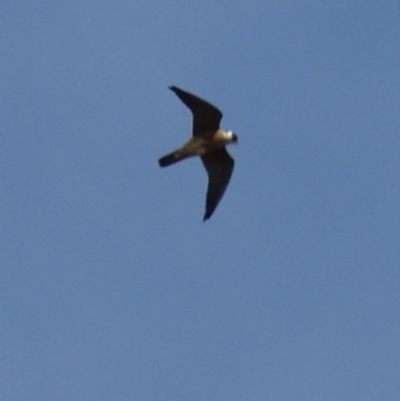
[(112, 287)]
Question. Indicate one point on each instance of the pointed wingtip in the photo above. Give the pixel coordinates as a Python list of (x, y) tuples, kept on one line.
[(176, 90), (206, 216)]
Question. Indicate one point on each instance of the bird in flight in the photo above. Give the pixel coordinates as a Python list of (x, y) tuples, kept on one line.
[(208, 142)]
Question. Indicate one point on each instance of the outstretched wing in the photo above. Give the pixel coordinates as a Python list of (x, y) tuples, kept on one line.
[(206, 117), (219, 166)]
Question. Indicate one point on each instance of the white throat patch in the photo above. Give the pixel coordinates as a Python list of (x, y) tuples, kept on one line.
[(228, 135)]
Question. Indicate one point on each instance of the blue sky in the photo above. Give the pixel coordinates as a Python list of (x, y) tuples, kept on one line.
[(112, 288)]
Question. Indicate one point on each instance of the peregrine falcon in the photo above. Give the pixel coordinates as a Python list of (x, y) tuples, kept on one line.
[(208, 142)]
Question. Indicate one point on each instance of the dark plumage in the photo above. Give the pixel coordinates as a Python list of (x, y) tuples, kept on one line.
[(208, 142)]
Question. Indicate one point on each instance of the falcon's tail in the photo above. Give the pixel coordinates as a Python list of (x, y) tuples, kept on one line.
[(170, 158)]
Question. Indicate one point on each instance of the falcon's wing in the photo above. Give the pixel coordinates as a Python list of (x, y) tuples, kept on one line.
[(219, 166), (206, 117)]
